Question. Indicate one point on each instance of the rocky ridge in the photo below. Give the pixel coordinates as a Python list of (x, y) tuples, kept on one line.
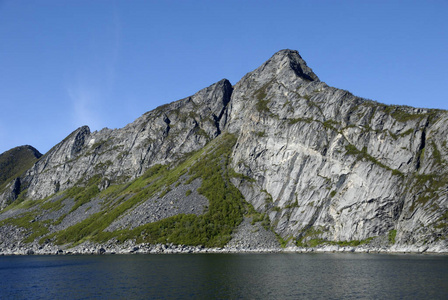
[(12, 164), (334, 166), (323, 169)]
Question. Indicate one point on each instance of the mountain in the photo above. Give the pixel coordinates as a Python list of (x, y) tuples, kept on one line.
[(13, 163), (280, 158)]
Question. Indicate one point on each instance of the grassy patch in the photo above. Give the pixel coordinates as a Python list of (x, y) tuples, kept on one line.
[(307, 97), (331, 124), (443, 221), (260, 134), (283, 242), (407, 132), (436, 154), (293, 204), (311, 238), (15, 162), (262, 106), (257, 217), (300, 120), (391, 236), (401, 114), (363, 155), (83, 195), (28, 221), (102, 166), (234, 174), (426, 186), (213, 228), (262, 103)]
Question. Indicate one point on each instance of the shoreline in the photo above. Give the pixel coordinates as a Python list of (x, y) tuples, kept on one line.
[(98, 249)]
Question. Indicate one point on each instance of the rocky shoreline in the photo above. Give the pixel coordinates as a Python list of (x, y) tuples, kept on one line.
[(132, 248), (247, 238)]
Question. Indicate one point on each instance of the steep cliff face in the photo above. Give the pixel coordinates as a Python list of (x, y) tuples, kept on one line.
[(331, 166), (319, 164)]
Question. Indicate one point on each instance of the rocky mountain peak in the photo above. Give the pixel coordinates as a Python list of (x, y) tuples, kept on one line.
[(215, 97), (285, 65), (318, 165), (292, 59), (271, 87)]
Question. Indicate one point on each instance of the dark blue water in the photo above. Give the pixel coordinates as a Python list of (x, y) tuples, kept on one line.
[(225, 276)]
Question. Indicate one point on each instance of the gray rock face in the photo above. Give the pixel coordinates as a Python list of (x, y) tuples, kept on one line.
[(163, 135), (333, 166), (323, 164)]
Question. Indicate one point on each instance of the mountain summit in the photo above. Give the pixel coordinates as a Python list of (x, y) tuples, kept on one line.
[(285, 61), (278, 159)]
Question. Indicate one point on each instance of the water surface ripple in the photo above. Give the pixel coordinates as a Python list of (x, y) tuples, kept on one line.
[(225, 276)]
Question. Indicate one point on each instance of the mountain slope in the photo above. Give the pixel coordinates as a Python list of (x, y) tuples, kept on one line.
[(329, 166), (315, 164), (13, 163), (161, 136)]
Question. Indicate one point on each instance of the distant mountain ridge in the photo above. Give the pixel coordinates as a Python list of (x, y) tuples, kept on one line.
[(27, 155), (16, 161), (315, 165)]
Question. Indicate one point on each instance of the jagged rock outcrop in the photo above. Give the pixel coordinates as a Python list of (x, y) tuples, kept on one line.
[(329, 165), (161, 136), (322, 165)]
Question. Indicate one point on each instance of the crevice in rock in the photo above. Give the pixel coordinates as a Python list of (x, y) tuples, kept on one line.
[(312, 221), (226, 100), (398, 208), (16, 189), (167, 122), (216, 122), (79, 140), (421, 147)]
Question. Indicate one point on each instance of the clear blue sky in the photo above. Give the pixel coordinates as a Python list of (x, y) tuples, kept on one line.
[(64, 64)]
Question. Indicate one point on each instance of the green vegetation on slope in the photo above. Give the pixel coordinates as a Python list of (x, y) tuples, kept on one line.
[(16, 161), (311, 238), (391, 236), (212, 229), (363, 155)]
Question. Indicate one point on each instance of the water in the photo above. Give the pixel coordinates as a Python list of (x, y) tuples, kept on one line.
[(225, 276)]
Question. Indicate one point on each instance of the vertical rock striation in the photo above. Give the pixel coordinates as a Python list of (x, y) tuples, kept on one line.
[(324, 165), (331, 166)]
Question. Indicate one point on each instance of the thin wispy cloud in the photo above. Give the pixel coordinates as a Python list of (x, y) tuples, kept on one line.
[(90, 87), (86, 103)]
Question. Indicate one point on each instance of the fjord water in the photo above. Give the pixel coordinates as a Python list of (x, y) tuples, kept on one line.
[(225, 276)]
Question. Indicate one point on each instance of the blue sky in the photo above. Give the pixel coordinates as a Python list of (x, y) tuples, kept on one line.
[(65, 64)]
